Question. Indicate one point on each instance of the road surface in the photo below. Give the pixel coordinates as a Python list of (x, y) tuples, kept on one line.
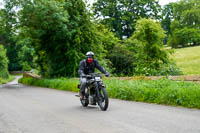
[(25, 109)]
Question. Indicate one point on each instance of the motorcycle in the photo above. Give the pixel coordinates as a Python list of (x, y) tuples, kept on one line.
[(95, 92)]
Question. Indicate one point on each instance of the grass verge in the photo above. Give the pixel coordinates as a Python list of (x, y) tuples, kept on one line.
[(162, 91), (3, 81)]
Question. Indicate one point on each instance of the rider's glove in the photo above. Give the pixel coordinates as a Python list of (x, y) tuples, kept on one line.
[(107, 74)]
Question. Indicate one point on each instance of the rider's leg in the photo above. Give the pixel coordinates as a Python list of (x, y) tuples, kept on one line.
[(83, 82)]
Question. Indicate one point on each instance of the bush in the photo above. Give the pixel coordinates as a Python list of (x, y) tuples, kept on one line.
[(3, 63), (164, 69), (122, 60), (26, 66), (151, 58), (143, 53)]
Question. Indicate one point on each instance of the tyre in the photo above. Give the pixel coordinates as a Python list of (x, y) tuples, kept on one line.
[(103, 99), (84, 102)]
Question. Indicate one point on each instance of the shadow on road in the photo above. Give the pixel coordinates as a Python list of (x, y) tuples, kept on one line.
[(88, 108)]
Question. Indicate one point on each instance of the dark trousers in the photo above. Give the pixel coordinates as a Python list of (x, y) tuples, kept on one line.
[(83, 83)]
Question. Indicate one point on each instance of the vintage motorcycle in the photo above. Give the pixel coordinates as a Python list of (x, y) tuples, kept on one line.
[(95, 92)]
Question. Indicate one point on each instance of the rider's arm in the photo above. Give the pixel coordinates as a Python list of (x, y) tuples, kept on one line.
[(98, 66), (81, 68)]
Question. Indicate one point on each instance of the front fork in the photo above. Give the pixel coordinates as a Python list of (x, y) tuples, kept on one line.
[(98, 89)]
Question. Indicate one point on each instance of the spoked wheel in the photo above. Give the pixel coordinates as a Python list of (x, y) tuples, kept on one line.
[(103, 99)]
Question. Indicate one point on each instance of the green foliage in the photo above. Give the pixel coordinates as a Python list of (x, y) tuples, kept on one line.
[(121, 15), (61, 84), (167, 14), (14, 61), (187, 12), (3, 63), (61, 33), (107, 37), (143, 53), (4, 81), (26, 54), (162, 91), (167, 18), (8, 25), (147, 43), (109, 41), (186, 24), (184, 37), (54, 35), (26, 66), (122, 60)]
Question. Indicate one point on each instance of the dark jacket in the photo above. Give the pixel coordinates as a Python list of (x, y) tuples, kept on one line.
[(86, 68)]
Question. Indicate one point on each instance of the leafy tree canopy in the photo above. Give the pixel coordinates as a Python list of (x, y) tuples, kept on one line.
[(3, 63), (60, 32), (187, 12), (167, 14), (147, 43), (8, 25), (186, 24), (121, 15)]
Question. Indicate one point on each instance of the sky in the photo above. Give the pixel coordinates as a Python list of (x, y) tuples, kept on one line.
[(164, 2)]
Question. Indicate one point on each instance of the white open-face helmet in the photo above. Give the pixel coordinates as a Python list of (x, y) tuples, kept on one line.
[(89, 57), (89, 54)]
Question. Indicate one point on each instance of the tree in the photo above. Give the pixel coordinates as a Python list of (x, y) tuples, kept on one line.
[(167, 18), (187, 12), (8, 24), (186, 25), (108, 38), (108, 41), (26, 54), (147, 43), (60, 32), (184, 37), (121, 15), (3, 63)]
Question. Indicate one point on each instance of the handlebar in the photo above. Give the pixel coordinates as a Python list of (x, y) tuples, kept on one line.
[(91, 75)]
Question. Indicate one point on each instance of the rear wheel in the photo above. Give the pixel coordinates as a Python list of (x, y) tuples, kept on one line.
[(103, 99)]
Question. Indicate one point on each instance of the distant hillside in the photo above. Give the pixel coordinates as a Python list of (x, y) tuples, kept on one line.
[(188, 60)]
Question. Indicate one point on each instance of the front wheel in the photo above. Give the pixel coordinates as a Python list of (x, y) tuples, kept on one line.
[(103, 99), (84, 101)]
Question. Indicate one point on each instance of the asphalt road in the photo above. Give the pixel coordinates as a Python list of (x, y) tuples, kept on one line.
[(25, 109)]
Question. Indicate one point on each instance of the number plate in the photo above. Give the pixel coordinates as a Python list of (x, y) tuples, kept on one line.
[(97, 78)]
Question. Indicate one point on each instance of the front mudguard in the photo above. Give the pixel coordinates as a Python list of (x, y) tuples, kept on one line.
[(101, 85)]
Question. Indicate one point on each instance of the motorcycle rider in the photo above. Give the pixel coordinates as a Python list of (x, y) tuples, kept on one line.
[(86, 67)]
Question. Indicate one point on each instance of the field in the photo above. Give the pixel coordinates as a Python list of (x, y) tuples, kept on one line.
[(188, 60)]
